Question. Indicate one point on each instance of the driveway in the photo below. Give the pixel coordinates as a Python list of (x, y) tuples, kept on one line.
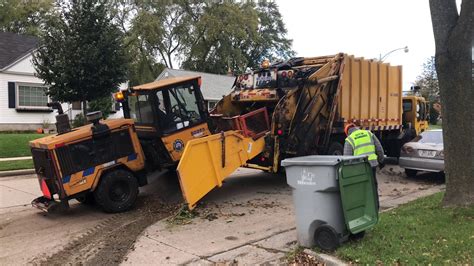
[(249, 220)]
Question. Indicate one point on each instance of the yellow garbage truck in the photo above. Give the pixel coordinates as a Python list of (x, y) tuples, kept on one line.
[(291, 108), (300, 107)]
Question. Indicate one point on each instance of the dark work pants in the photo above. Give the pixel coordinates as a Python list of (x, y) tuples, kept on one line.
[(374, 171)]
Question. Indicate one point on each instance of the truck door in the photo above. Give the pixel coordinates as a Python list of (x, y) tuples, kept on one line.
[(182, 117)]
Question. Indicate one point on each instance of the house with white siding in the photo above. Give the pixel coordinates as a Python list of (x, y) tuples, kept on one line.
[(213, 86), (22, 95)]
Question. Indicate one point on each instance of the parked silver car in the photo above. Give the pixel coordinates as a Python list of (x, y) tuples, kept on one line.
[(423, 153)]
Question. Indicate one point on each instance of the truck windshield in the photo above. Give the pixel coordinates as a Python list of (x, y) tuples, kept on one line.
[(183, 105), (140, 109)]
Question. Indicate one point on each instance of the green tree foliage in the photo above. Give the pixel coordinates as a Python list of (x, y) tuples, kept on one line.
[(81, 55), (226, 29), (23, 17), (271, 41), (428, 82), (165, 27), (142, 66), (234, 36), (104, 104), (211, 36)]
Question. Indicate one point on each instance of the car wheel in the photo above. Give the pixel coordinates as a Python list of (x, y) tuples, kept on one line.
[(336, 148), (117, 191), (411, 172), (86, 199)]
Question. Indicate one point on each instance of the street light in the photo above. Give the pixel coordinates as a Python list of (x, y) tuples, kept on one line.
[(381, 58)]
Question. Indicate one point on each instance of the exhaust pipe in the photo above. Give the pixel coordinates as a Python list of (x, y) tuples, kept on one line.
[(62, 119)]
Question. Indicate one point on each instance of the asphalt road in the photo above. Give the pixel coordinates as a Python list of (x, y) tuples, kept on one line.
[(84, 234)]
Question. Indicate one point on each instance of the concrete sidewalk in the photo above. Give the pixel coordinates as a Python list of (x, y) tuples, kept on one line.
[(18, 191), (250, 220), (15, 158)]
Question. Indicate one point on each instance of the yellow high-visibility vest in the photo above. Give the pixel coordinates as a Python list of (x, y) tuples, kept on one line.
[(362, 143)]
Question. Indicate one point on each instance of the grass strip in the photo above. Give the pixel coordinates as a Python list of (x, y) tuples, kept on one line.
[(16, 165), (417, 233)]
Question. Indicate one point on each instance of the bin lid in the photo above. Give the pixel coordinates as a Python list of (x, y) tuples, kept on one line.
[(358, 196), (326, 160)]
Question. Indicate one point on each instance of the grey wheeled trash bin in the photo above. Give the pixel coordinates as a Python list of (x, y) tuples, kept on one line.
[(334, 197)]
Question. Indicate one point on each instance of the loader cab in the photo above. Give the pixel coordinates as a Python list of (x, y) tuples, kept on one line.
[(167, 114)]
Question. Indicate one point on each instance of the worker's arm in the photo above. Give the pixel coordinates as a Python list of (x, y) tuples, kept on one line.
[(378, 149), (348, 150)]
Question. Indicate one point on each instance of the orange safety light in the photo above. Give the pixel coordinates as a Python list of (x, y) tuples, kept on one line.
[(119, 97)]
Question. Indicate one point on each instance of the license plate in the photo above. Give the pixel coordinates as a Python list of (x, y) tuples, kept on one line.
[(426, 153)]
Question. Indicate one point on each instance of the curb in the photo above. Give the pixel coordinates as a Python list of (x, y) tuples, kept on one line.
[(17, 172), (326, 259)]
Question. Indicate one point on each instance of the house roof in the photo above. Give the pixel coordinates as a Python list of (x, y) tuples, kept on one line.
[(158, 84), (213, 86), (15, 46)]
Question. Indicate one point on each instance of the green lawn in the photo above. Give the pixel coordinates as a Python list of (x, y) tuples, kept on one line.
[(16, 165), (435, 126), (16, 144), (420, 232)]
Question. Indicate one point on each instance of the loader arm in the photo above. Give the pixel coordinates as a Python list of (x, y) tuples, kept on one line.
[(207, 161)]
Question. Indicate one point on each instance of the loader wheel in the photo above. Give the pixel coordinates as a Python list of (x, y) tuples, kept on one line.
[(117, 191), (86, 199), (336, 148), (411, 172), (326, 238)]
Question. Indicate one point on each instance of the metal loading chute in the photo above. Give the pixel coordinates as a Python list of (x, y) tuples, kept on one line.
[(207, 161)]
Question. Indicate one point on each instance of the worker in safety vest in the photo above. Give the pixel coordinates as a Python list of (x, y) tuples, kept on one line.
[(364, 142)]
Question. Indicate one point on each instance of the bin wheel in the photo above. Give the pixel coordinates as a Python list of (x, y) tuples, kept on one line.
[(117, 191), (326, 238), (357, 236)]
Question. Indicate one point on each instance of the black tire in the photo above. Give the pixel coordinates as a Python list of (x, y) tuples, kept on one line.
[(358, 236), (411, 172), (117, 191), (326, 238), (86, 199), (336, 148)]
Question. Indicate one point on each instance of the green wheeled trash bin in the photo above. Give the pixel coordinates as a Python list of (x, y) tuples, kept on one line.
[(334, 198)]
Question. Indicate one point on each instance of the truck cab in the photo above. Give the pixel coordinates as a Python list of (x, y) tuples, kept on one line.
[(167, 114), (415, 113)]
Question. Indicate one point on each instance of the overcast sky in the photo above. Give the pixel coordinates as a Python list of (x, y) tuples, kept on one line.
[(364, 28)]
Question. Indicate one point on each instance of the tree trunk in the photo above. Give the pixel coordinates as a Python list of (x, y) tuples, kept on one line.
[(453, 37)]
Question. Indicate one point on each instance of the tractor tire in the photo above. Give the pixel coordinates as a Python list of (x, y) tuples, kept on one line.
[(117, 191), (336, 148), (86, 199), (411, 172), (326, 238)]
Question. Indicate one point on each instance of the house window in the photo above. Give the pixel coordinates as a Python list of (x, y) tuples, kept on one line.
[(31, 96), (77, 105), (211, 104)]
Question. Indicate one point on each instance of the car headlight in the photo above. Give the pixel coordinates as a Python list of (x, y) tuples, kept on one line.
[(441, 154), (407, 149)]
